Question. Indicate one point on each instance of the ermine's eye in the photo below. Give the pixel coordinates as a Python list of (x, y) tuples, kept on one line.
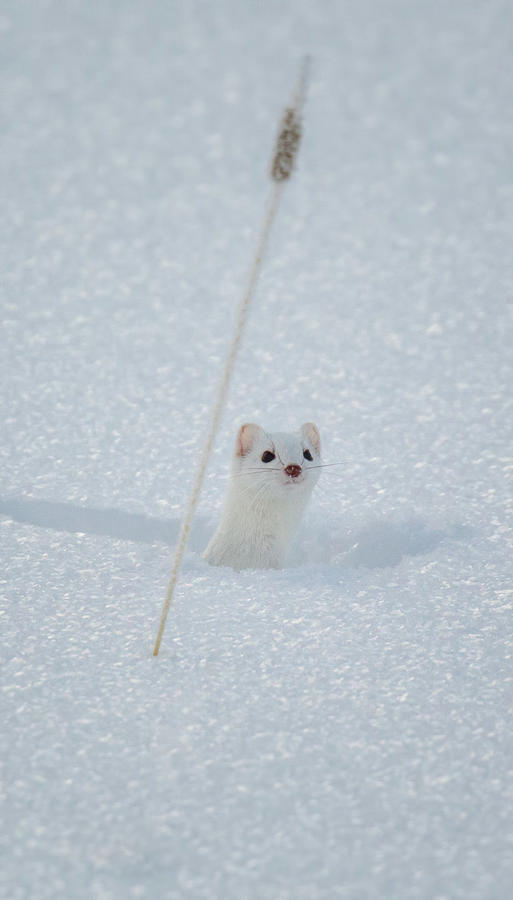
[(268, 456), (307, 455)]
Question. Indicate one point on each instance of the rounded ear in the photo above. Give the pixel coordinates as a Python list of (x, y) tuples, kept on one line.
[(310, 432), (246, 437)]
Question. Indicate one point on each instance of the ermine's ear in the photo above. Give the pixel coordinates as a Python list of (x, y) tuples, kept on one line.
[(246, 437), (309, 431)]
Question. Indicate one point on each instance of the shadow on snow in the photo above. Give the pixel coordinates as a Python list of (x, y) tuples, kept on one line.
[(112, 523), (383, 543), (375, 545)]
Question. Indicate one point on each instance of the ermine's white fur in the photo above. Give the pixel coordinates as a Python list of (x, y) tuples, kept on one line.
[(271, 481)]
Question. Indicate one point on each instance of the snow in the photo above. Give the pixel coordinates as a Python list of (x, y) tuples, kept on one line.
[(340, 728)]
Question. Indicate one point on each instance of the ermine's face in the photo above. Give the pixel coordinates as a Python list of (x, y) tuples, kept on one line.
[(277, 464)]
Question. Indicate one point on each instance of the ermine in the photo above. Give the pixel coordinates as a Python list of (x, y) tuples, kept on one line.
[(272, 477)]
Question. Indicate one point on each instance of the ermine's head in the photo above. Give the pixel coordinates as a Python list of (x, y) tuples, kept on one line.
[(277, 464)]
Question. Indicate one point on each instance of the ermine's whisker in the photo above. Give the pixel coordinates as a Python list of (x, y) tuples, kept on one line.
[(325, 465), (280, 469), (254, 472)]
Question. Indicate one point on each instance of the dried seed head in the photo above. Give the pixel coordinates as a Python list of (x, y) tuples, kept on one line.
[(286, 145)]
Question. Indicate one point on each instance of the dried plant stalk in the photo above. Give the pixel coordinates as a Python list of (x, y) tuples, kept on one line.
[(285, 153), (287, 145)]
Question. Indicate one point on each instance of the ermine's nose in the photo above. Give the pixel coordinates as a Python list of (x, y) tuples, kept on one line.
[(293, 470)]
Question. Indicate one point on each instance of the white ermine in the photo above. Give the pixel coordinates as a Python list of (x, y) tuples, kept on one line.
[(271, 481)]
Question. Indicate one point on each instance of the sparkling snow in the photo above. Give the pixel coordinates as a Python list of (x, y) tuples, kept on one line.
[(343, 727)]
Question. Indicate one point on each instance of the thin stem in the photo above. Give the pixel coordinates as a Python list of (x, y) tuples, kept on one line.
[(283, 159)]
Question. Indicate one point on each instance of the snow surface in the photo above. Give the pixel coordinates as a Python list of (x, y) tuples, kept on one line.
[(342, 728)]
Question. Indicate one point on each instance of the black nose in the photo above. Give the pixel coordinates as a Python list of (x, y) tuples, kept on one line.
[(293, 471)]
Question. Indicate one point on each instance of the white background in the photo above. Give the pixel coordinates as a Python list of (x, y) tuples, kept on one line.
[(341, 728)]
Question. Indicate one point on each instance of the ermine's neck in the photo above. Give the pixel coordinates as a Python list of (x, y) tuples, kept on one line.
[(269, 515), (255, 532)]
